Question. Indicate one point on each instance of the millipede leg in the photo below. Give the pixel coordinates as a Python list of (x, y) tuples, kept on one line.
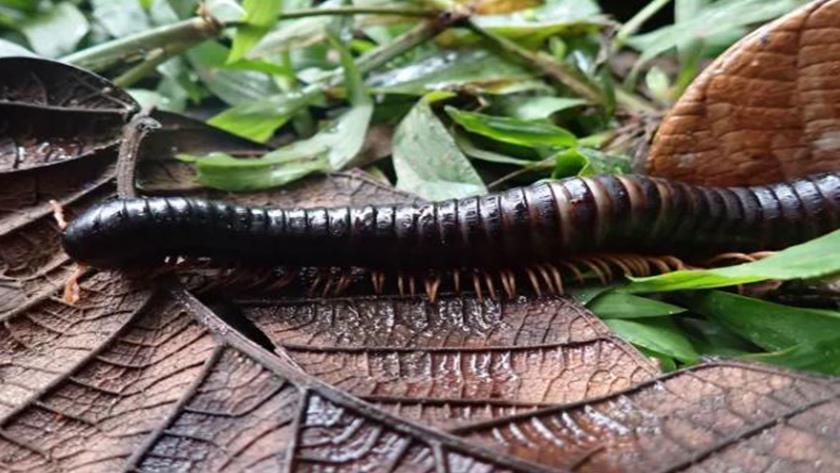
[(477, 286), (432, 286), (377, 279), (558, 278), (456, 281), (508, 283), (490, 286), (574, 270), (548, 282), (535, 283), (344, 281)]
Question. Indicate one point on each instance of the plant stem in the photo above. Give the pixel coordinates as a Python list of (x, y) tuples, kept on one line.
[(152, 61), (633, 25), (547, 65), (632, 102), (193, 31), (306, 12), (381, 55), (100, 57), (421, 33)]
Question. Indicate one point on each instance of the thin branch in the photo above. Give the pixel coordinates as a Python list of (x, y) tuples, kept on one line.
[(350, 10), (195, 30), (545, 64), (100, 57), (632, 26), (150, 64)]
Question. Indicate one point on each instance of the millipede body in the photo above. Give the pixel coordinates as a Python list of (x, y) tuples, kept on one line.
[(514, 228)]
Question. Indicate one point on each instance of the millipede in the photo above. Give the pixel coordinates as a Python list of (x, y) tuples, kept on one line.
[(542, 233)]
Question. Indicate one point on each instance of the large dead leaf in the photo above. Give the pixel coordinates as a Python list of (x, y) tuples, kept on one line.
[(141, 375), (762, 112), (457, 360), (717, 417), (51, 112)]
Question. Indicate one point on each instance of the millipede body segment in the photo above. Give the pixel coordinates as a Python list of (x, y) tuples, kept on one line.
[(529, 225)]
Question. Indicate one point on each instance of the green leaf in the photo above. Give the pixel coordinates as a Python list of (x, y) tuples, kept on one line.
[(467, 146), (260, 16), (330, 149), (120, 17), (585, 294), (658, 84), (666, 363), (603, 163), (710, 338), (225, 10), (658, 334), (294, 34), (535, 134), (280, 167), (822, 356), (768, 325), (718, 19), (8, 48), (357, 90), (259, 119), (816, 258), (427, 160), (233, 86), (536, 108), (570, 162), (55, 31), (475, 71), (620, 305), (559, 17)]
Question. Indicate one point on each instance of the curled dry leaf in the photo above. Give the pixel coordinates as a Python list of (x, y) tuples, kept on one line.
[(764, 111), (52, 112)]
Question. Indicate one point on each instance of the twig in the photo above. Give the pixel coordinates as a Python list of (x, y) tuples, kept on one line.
[(195, 30), (547, 65), (351, 10), (150, 64), (133, 135), (105, 55), (633, 25)]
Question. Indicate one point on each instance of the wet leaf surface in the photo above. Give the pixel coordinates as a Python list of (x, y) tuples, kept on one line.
[(460, 354), (141, 375), (52, 112), (717, 417)]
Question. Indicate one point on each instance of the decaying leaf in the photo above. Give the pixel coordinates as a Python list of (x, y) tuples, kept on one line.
[(51, 112), (716, 417), (762, 112), (458, 360)]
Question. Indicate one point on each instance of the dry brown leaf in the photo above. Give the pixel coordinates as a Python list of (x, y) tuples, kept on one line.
[(51, 112), (715, 417), (762, 112), (458, 360)]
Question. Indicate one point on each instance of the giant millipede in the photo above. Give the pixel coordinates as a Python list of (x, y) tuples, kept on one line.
[(532, 230)]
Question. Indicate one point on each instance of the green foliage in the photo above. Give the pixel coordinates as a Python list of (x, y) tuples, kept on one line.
[(814, 259), (659, 335), (531, 133), (427, 160), (260, 16)]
